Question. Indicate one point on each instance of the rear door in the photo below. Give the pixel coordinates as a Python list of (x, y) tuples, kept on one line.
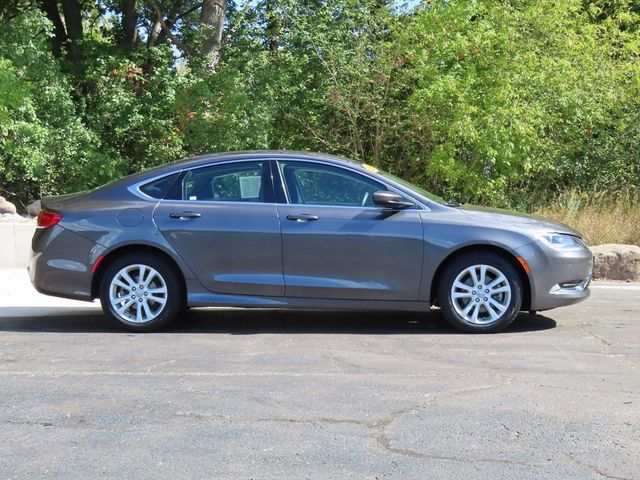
[(222, 220), (337, 244)]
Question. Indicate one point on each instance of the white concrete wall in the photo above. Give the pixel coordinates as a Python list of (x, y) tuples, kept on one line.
[(15, 244)]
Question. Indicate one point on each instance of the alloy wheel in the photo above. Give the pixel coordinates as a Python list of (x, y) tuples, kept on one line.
[(480, 294), (138, 293)]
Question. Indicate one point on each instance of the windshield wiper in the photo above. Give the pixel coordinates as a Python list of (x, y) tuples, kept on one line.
[(453, 203)]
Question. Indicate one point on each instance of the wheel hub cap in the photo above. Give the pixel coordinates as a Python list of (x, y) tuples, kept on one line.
[(138, 293), (480, 294)]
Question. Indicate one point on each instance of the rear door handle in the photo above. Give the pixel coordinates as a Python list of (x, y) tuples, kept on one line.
[(302, 217), (185, 215)]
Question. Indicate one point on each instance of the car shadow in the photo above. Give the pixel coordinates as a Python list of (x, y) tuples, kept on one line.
[(254, 321)]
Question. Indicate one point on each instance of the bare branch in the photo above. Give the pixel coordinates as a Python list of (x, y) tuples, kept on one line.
[(166, 28)]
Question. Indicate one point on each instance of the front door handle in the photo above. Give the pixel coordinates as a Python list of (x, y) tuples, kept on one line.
[(185, 215), (302, 217)]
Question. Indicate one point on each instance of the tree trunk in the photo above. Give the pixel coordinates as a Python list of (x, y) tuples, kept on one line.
[(273, 27), (129, 23), (212, 17), (73, 21), (50, 8), (156, 29)]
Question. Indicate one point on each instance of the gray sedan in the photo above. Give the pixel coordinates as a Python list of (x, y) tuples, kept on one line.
[(298, 230)]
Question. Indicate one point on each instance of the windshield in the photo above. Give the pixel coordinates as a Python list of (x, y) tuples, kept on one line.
[(411, 186)]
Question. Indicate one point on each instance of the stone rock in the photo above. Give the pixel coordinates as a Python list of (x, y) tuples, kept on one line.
[(616, 261), (7, 207), (34, 208)]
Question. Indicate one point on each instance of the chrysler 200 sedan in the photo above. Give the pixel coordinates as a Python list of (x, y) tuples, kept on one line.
[(298, 230)]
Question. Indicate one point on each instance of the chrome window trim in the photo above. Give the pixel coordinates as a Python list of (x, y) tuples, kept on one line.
[(217, 202), (135, 188)]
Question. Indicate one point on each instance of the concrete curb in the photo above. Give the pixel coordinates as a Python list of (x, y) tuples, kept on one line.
[(15, 244)]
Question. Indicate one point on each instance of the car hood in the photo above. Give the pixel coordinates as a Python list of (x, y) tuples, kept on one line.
[(506, 218)]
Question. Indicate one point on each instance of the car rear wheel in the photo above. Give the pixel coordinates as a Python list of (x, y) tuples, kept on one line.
[(480, 292), (141, 292)]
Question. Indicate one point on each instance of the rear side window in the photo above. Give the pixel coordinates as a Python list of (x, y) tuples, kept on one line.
[(160, 187), (229, 182)]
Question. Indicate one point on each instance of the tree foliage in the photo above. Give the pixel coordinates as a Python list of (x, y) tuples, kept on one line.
[(481, 100)]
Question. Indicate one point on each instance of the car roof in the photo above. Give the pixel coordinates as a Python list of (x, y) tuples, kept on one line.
[(272, 154), (211, 158)]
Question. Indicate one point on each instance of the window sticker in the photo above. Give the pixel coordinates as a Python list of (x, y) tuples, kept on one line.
[(250, 187)]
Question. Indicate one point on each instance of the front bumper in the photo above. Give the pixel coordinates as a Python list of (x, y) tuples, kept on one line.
[(557, 278)]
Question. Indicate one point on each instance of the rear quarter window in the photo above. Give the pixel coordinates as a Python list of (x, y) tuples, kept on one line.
[(160, 187)]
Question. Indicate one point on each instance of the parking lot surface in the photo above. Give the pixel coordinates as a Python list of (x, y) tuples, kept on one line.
[(266, 394)]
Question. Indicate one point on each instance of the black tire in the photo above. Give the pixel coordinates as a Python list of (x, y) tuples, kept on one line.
[(169, 279), (485, 321)]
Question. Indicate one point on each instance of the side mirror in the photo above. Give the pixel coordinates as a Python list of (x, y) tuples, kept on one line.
[(388, 199)]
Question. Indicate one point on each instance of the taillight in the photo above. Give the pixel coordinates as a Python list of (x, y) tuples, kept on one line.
[(48, 219)]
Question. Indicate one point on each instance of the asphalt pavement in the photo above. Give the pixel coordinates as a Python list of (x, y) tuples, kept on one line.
[(319, 395)]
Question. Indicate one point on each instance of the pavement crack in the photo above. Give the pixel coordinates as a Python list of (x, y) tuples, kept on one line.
[(383, 442), (29, 423), (605, 348)]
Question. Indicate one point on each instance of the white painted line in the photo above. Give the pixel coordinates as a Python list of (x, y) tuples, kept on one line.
[(203, 374), (615, 286)]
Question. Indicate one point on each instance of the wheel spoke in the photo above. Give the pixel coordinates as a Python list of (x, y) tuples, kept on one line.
[(152, 275), (493, 302), (152, 291), (494, 315), (468, 308), (473, 275), (127, 278), (124, 307), (121, 284), (483, 274), (500, 290), (115, 300), (474, 316), (141, 274), (462, 286), (160, 300), (499, 279), (147, 311), (456, 295)]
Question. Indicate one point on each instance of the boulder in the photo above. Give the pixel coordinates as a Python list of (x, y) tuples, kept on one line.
[(34, 208), (616, 261), (7, 207)]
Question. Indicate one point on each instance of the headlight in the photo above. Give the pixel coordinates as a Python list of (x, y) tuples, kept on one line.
[(562, 241)]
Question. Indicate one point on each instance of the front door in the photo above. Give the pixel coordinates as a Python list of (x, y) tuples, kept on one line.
[(337, 244), (224, 224)]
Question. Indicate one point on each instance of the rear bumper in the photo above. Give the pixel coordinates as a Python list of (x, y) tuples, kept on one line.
[(557, 278), (60, 263)]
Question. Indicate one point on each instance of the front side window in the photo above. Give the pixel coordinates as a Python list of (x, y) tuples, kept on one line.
[(228, 182), (318, 184)]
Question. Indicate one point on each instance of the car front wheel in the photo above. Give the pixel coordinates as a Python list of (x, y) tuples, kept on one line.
[(141, 292), (480, 292)]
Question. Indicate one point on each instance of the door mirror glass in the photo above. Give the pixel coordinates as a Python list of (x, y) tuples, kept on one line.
[(388, 199)]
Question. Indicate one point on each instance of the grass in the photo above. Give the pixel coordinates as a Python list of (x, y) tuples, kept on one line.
[(601, 217)]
